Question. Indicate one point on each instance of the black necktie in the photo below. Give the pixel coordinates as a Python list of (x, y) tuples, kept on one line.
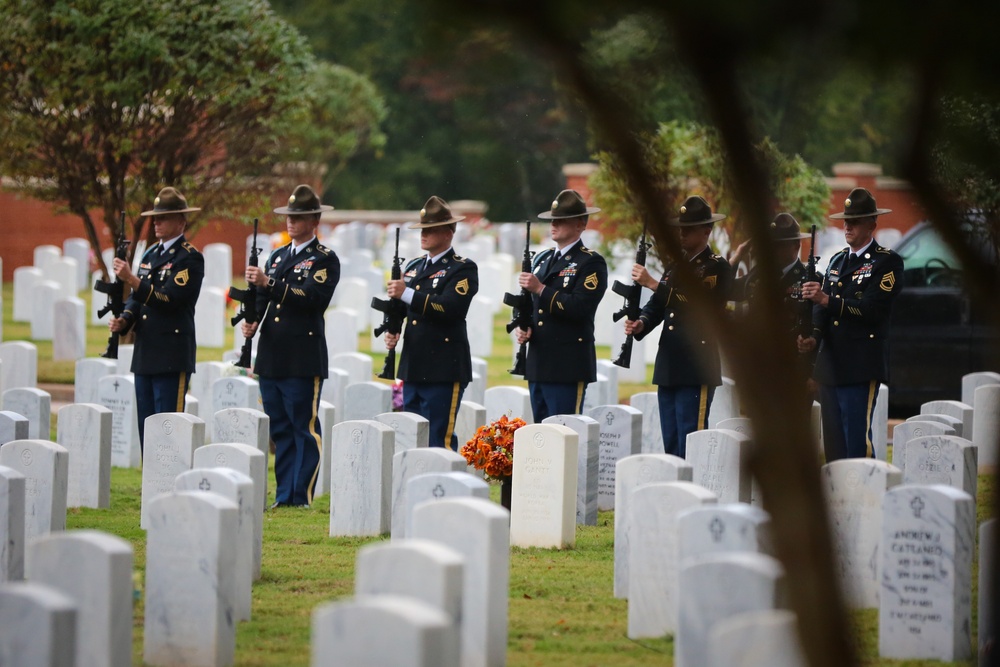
[(853, 258), (428, 264)]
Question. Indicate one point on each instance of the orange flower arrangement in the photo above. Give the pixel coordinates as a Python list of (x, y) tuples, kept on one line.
[(491, 449)]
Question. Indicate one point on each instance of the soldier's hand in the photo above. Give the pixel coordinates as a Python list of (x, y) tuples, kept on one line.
[(249, 329), (641, 276), (391, 339), (522, 335), (530, 282), (256, 276), (740, 252), (395, 289), (122, 270), (805, 345), (812, 291), (634, 326), (117, 324)]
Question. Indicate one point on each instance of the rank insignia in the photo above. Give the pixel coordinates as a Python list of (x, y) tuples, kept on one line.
[(182, 278), (888, 282), (591, 281), (320, 276), (462, 287)]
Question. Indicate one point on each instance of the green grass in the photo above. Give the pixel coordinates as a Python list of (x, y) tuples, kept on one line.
[(562, 610)]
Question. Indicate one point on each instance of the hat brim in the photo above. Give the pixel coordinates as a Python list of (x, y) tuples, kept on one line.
[(849, 216), (797, 237), (548, 215), (284, 210), (428, 225), (676, 222), (147, 214)]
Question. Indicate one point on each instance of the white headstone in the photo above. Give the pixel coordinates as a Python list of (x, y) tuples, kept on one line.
[(652, 560), (360, 478), (721, 460), (854, 490), (64, 272), (476, 390), (19, 365), (479, 321), (903, 432), (508, 400), (880, 423), (79, 249), (928, 535), (767, 638), (43, 305), (973, 381), (366, 400), (341, 331), (45, 466), (948, 420), (248, 461), (34, 405), (621, 436), (125, 353), (25, 278), (12, 426), (93, 569), (588, 433), (238, 489), (632, 472), (941, 459), (733, 527), (37, 626), (986, 425), (12, 503), (409, 463), (738, 424), (434, 486), (84, 429), (598, 393), (69, 340), (205, 375), (477, 529), (218, 266), (244, 425), (357, 365), (470, 417), (171, 438), (353, 632), (987, 581), (956, 409), (45, 255), (725, 403), (412, 430), (716, 587), (117, 393), (652, 435), (190, 568), (235, 392), (327, 420), (210, 320), (543, 496), (88, 372)]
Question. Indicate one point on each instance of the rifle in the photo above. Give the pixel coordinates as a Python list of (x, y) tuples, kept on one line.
[(630, 309), (116, 293), (248, 304), (522, 305), (806, 311), (393, 313)]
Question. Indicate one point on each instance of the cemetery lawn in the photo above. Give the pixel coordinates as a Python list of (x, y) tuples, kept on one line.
[(562, 611)]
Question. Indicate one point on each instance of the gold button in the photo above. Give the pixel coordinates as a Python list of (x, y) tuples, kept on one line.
[(540, 323), (417, 287), (177, 330), (839, 284), (310, 333), (277, 319), (671, 327), (672, 314), (278, 306), (836, 323), (446, 340), (413, 322), (540, 311), (145, 317), (579, 340), (871, 335)]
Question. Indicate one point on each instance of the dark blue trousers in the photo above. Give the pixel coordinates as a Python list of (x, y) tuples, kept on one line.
[(162, 392), (556, 398), (293, 407), (438, 403), (847, 420), (683, 410)]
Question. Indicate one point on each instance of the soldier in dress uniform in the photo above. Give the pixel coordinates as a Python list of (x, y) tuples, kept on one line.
[(566, 283), (786, 238), (851, 328), (161, 310), (436, 363), (295, 286), (687, 369)]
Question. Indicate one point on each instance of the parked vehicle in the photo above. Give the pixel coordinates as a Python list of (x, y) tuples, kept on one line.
[(936, 334)]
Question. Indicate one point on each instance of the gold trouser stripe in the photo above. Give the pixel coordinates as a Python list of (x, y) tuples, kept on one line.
[(453, 410), (580, 386), (316, 437), (872, 392), (181, 390), (703, 408)]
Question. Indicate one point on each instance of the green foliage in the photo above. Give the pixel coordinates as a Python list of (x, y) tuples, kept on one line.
[(687, 159)]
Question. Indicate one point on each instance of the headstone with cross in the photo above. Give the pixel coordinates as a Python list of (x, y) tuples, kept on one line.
[(171, 438), (620, 436), (543, 495), (632, 472), (720, 459), (360, 478), (726, 528), (941, 459), (903, 432), (117, 393), (235, 392), (853, 489), (45, 466), (410, 463), (412, 430), (434, 486), (925, 611)]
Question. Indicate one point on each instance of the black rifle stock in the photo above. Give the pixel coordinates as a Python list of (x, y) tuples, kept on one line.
[(522, 305), (393, 313), (248, 304), (115, 289), (630, 309), (805, 317)]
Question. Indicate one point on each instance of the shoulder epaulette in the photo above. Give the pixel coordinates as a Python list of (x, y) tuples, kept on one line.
[(884, 251), (459, 259), (323, 249), (587, 250), (190, 248)]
